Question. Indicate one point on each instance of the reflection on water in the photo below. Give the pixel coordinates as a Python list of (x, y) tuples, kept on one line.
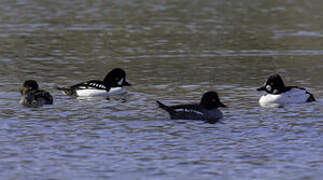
[(172, 51)]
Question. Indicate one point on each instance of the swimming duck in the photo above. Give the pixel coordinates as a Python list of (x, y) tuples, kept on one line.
[(279, 95), (32, 96), (112, 84), (207, 110)]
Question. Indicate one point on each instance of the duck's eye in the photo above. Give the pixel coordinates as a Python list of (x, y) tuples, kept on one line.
[(268, 88)]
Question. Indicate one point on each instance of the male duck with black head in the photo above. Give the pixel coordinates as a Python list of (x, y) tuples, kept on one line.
[(279, 95), (112, 84), (32, 96), (207, 110)]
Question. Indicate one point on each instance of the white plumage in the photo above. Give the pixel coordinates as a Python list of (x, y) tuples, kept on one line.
[(293, 96), (91, 92)]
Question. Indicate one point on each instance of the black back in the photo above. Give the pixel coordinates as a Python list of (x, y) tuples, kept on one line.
[(91, 84), (39, 95)]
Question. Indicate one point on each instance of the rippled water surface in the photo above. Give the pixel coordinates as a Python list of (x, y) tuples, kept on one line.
[(174, 51)]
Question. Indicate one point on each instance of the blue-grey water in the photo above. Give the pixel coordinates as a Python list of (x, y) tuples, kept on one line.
[(173, 51)]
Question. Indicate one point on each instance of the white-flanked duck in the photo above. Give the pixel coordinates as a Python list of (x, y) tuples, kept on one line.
[(112, 84), (279, 95)]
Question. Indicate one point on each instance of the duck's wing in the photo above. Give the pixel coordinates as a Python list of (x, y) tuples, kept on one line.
[(188, 111), (187, 107), (42, 95), (300, 92), (177, 108), (93, 84)]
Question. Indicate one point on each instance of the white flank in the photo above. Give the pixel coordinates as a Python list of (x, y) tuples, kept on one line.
[(100, 92), (91, 92), (292, 96), (117, 91)]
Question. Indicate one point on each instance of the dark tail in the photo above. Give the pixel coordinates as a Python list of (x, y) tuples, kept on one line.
[(66, 91), (311, 98), (164, 107)]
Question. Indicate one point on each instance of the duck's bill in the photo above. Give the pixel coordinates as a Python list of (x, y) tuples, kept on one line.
[(222, 105), (262, 88), (125, 83)]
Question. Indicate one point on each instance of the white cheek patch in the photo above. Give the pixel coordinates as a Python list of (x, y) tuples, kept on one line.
[(269, 88), (121, 81)]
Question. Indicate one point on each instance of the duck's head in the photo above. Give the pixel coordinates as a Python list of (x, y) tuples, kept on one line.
[(273, 85), (28, 86), (116, 78), (210, 100)]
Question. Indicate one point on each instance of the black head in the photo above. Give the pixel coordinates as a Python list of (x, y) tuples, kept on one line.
[(29, 85), (210, 100), (116, 78), (273, 85)]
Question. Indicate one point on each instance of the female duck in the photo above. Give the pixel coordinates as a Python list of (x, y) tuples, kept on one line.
[(32, 96)]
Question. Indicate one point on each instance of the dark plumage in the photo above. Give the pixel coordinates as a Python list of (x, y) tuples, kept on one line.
[(206, 110), (32, 96)]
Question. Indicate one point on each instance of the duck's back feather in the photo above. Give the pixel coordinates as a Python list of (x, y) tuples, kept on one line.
[(36, 98)]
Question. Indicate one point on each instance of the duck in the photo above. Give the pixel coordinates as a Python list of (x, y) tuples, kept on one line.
[(32, 96), (279, 95), (112, 84), (207, 110)]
